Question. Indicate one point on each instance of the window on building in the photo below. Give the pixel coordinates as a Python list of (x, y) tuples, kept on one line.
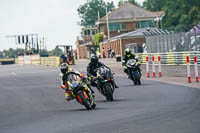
[(88, 32), (101, 28), (137, 25), (93, 32), (146, 24), (85, 32), (114, 26), (123, 26), (143, 24)]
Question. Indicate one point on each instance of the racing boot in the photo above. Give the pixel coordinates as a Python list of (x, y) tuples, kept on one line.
[(68, 96), (115, 84)]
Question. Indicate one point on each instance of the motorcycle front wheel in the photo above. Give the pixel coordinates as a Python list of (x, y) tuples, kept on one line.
[(84, 101), (109, 92)]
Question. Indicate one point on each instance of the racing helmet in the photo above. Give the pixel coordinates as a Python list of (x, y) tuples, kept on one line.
[(127, 51), (64, 68), (94, 59)]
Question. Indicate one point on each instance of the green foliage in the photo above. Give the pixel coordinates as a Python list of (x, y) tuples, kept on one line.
[(98, 38), (13, 53), (88, 12), (134, 2), (44, 53), (10, 53), (180, 14), (54, 52), (131, 1), (154, 5)]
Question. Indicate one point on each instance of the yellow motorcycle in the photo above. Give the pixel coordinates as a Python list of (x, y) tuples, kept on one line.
[(80, 91)]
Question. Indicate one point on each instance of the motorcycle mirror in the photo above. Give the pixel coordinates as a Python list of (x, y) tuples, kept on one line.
[(81, 74)]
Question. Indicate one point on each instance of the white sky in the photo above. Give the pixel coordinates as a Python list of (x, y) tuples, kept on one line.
[(56, 20)]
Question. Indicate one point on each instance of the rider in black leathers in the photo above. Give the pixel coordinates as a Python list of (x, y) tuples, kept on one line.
[(92, 69), (127, 56)]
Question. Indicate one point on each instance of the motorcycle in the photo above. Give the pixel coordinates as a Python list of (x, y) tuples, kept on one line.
[(77, 88), (133, 71), (105, 83)]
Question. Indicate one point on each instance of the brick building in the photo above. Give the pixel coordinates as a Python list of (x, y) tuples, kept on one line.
[(133, 40), (85, 45), (126, 26)]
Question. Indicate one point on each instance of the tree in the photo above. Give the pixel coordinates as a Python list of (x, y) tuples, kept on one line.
[(180, 15), (98, 38), (10, 53), (134, 2), (54, 52), (121, 2), (89, 11), (154, 5)]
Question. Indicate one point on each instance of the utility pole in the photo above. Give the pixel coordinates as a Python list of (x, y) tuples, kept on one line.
[(108, 30)]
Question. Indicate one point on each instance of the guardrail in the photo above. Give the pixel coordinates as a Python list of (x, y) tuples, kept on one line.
[(170, 58), (50, 61), (7, 61)]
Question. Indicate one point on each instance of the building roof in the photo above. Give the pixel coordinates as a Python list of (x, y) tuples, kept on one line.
[(144, 32), (130, 11)]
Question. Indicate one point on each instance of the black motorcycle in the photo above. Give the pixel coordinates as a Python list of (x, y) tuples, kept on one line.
[(105, 83), (133, 71)]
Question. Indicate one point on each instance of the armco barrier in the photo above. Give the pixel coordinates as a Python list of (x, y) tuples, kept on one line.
[(29, 59), (7, 61), (50, 61), (170, 58)]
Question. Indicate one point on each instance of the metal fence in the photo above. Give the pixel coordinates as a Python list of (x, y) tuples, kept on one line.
[(173, 42)]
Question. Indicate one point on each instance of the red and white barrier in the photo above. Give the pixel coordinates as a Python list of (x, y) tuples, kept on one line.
[(147, 66), (196, 69), (159, 67), (188, 69), (153, 67)]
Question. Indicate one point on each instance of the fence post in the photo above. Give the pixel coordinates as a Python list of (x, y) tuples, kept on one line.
[(188, 69), (153, 67), (147, 65), (196, 69), (159, 67)]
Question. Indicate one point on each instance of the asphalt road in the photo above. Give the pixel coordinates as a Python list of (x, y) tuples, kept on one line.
[(32, 102)]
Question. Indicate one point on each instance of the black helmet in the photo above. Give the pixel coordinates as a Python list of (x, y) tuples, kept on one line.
[(94, 59), (64, 68), (127, 51)]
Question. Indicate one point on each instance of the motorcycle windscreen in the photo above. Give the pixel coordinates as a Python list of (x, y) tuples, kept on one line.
[(75, 84), (131, 62), (105, 72), (74, 80)]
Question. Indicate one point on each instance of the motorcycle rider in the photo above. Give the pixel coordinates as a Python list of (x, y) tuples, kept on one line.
[(63, 76), (127, 56), (92, 69)]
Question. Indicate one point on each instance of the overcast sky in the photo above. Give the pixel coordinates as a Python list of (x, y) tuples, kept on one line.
[(56, 20)]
